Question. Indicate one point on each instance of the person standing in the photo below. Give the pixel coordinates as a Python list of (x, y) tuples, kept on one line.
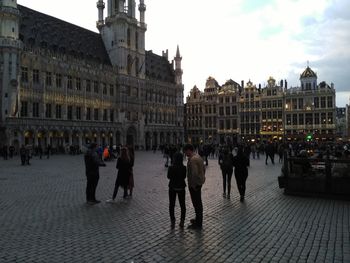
[(22, 153), (177, 175), (241, 163), (124, 168), (195, 180), (226, 166), (131, 152), (92, 166), (270, 152)]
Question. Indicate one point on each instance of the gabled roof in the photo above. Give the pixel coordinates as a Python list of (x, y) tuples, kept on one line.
[(159, 68), (308, 73), (38, 30)]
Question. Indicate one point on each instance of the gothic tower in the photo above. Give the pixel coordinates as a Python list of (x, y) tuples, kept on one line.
[(10, 47), (124, 35)]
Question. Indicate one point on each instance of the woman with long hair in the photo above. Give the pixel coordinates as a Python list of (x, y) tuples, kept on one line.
[(177, 175), (124, 167), (241, 163)]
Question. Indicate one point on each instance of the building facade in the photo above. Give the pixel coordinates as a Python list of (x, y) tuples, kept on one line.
[(274, 112), (65, 85)]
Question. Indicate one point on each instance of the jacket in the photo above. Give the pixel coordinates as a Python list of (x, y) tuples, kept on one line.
[(195, 171)]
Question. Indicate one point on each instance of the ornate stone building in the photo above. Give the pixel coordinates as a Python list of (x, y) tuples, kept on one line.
[(310, 109), (65, 85), (228, 112), (249, 111), (275, 112), (272, 101)]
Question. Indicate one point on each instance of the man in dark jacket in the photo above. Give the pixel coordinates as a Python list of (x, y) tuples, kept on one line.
[(92, 164)]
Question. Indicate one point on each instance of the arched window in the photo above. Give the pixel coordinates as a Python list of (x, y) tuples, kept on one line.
[(137, 67), (137, 40), (128, 37), (129, 64)]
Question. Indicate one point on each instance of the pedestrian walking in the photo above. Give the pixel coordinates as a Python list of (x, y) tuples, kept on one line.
[(22, 153), (195, 179), (124, 168), (48, 151), (226, 166), (241, 163), (92, 166), (177, 175), (270, 152)]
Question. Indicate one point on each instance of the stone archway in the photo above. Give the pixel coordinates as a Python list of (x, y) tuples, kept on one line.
[(131, 136)]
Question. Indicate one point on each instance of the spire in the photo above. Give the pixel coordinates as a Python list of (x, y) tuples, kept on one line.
[(131, 8), (142, 9), (178, 52), (100, 6), (178, 70)]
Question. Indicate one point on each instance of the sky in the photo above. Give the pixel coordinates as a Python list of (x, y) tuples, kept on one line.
[(239, 39)]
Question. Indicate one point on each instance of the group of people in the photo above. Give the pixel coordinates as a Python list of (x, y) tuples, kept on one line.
[(125, 179)]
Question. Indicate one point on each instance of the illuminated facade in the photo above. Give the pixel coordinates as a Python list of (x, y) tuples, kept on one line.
[(65, 85)]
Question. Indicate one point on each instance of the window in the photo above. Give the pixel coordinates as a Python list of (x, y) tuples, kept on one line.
[(58, 81), (317, 118), (301, 103), (88, 85), (24, 109), (137, 40), (78, 113), (294, 104), (88, 114), (48, 111), (323, 118), (234, 110), (24, 75), (111, 115), (95, 86), (104, 89), (269, 104), (70, 112), (78, 84), (48, 79), (329, 102), (228, 124), (228, 111), (323, 102), (221, 124), (227, 99), (308, 119), (128, 37), (288, 118), (330, 118), (58, 111), (234, 124), (295, 119), (69, 82), (95, 114), (36, 76), (263, 115), (35, 109), (316, 102), (264, 105), (221, 111), (301, 119), (105, 115)]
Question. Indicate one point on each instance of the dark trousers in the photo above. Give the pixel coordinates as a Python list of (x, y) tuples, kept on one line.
[(240, 180), (116, 187), (272, 157), (172, 199), (91, 185), (23, 159), (226, 178), (196, 197)]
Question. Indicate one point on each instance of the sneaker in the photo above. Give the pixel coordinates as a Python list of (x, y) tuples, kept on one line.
[(242, 198), (96, 201), (193, 221), (224, 195), (182, 224), (110, 201)]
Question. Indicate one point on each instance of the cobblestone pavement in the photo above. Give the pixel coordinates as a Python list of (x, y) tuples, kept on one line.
[(44, 218)]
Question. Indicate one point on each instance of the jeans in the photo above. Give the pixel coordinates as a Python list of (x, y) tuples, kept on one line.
[(226, 178), (172, 199), (196, 197), (91, 185)]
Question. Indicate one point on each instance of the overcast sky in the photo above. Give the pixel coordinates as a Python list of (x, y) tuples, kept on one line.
[(239, 39)]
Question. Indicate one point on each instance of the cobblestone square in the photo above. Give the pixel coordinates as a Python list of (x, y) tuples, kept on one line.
[(44, 217)]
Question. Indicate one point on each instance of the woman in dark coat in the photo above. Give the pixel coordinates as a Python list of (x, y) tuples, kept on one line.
[(241, 163), (177, 185), (124, 167)]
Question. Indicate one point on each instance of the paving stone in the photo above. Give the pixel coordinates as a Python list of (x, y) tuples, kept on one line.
[(44, 218)]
